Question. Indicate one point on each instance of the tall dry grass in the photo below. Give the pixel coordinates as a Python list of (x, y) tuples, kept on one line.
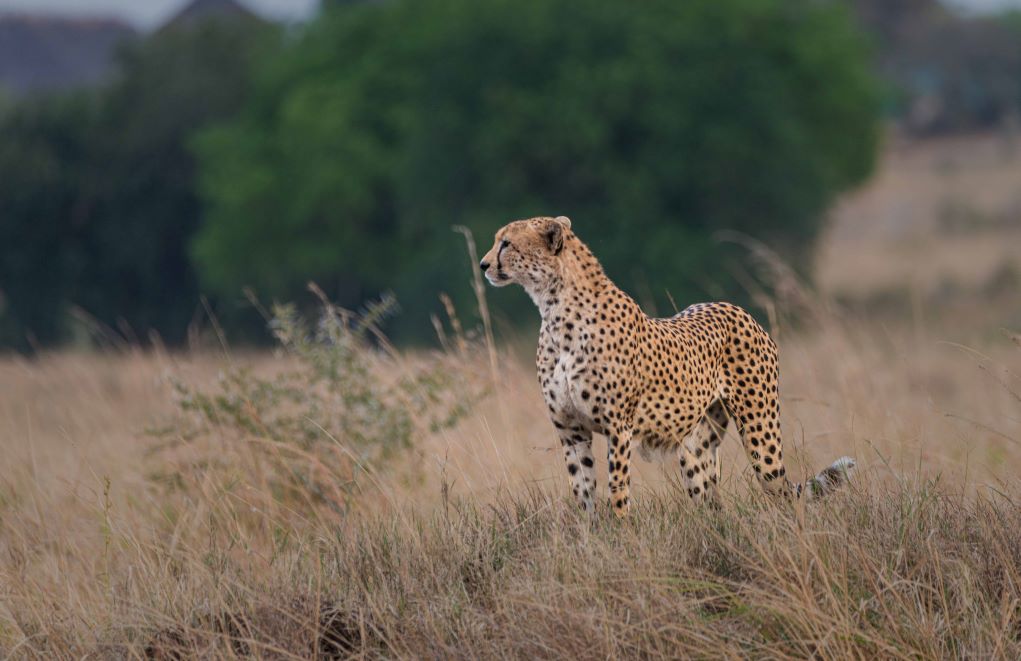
[(159, 505), (463, 543)]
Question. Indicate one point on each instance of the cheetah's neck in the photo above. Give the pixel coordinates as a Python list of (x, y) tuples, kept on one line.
[(582, 285)]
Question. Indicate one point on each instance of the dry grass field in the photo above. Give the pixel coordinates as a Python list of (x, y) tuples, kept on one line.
[(219, 505), (941, 217)]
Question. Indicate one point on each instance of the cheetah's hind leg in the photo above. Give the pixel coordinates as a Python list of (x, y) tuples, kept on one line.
[(699, 454)]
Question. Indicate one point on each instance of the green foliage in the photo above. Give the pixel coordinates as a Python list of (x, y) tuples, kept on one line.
[(43, 154), (146, 207), (99, 199), (384, 124), (368, 135), (336, 404)]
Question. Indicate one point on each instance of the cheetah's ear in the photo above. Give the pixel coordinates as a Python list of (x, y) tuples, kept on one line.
[(564, 220), (553, 232)]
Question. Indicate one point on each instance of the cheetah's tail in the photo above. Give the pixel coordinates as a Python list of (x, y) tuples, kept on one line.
[(829, 479)]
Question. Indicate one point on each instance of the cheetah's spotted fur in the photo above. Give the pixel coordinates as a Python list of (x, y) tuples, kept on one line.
[(662, 384)]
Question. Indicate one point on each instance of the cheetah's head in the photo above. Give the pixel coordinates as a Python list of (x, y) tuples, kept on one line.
[(526, 252)]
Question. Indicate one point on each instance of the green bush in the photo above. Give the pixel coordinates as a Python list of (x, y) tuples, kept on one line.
[(652, 126), (308, 426)]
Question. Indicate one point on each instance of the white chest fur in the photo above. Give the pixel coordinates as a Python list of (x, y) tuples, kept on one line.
[(560, 385), (566, 369)]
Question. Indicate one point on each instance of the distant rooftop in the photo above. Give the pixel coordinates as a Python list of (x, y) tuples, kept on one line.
[(202, 10), (40, 53), (50, 52)]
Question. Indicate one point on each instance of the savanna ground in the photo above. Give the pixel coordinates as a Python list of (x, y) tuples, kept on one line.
[(329, 501)]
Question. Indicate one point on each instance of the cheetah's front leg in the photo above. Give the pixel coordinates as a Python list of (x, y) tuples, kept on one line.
[(577, 444), (618, 457)]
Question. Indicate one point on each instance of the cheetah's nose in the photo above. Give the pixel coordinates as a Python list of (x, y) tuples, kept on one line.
[(484, 265)]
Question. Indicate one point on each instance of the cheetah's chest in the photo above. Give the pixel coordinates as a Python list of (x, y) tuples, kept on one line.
[(561, 389), (564, 385)]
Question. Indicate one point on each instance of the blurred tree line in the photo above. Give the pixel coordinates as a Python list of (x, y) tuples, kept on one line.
[(234, 155), (98, 201)]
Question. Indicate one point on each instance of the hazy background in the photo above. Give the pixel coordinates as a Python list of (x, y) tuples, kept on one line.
[(165, 161), (152, 12), (149, 14)]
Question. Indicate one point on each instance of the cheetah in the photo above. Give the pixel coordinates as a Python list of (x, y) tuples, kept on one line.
[(668, 385)]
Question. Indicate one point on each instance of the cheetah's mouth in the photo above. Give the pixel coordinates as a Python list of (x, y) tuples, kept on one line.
[(498, 279)]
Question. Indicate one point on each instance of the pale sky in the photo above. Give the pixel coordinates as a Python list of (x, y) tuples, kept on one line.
[(978, 5), (150, 13)]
